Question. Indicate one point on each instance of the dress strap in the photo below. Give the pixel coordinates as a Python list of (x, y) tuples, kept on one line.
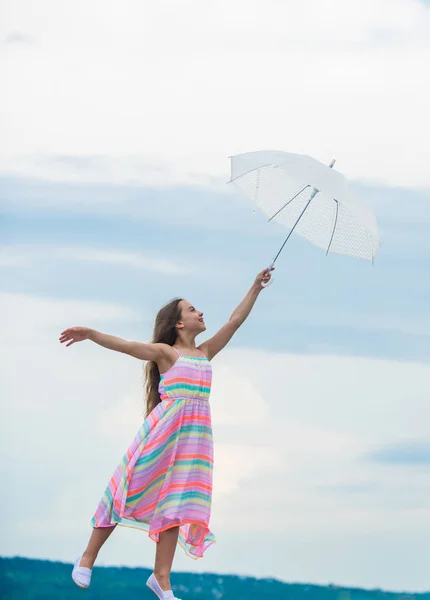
[(177, 351)]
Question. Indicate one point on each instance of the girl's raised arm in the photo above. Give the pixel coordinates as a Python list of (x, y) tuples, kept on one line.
[(216, 343)]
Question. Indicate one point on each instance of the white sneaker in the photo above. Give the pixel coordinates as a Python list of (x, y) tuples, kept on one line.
[(153, 585), (81, 575)]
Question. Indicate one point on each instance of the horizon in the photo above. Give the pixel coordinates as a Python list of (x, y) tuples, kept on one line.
[(336, 586)]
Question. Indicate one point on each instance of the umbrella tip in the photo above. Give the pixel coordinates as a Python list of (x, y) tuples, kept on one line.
[(332, 163)]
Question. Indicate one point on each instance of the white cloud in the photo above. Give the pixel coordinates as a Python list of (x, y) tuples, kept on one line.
[(118, 257), (184, 86), (248, 406), (24, 256), (22, 315), (121, 418), (291, 474), (11, 257), (236, 463)]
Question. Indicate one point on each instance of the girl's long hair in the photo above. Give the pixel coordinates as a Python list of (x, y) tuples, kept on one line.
[(165, 332)]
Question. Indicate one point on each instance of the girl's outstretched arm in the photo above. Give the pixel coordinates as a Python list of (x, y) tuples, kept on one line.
[(155, 352), (216, 343)]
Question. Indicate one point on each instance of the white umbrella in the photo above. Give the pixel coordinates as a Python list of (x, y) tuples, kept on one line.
[(309, 198)]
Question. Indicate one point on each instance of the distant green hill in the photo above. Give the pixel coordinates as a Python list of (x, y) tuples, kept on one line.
[(29, 579)]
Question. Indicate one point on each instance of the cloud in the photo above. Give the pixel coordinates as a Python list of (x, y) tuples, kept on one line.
[(18, 37), (248, 408), (24, 316), (236, 463), (103, 169), (26, 256), (118, 257), (332, 80), (11, 257), (120, 419), (182, 207)]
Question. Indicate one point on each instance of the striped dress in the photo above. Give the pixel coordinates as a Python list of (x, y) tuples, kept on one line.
[(165, 477)]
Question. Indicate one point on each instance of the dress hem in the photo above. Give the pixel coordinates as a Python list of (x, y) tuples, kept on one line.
[(145, 527)]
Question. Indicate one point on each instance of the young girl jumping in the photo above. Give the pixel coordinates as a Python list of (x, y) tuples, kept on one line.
[(163, 484)]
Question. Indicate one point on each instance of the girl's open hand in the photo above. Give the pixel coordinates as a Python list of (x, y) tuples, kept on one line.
[(263, 278), (75, 334)]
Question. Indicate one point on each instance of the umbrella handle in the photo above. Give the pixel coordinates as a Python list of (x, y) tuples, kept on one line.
[(270, 267)]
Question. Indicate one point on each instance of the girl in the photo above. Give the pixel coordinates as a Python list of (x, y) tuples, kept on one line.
[(163, 484)]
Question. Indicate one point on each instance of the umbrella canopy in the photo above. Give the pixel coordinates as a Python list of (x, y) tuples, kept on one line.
[(310, 198)]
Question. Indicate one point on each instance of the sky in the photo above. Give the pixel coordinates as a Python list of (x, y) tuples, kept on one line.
[(115, 132)]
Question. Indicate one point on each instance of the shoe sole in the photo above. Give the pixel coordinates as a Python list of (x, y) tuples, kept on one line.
[(152, 590), (84, 587)]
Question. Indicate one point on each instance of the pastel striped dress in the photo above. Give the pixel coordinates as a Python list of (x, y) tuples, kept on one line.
[(165, 477)]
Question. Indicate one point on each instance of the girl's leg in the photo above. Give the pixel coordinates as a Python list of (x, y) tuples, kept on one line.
[(164, 557), (98, 537)]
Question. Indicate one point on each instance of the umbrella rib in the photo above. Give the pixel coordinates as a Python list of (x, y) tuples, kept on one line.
[(369, 240), (314, 193), (287, 203), (334, 227), (233, 179)]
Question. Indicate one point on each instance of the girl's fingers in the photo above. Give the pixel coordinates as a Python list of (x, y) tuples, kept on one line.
[(267, 271), (68, 331), (69, 335), (66, 338)]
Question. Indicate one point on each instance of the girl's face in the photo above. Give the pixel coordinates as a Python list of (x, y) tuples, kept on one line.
[(191, 318)]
